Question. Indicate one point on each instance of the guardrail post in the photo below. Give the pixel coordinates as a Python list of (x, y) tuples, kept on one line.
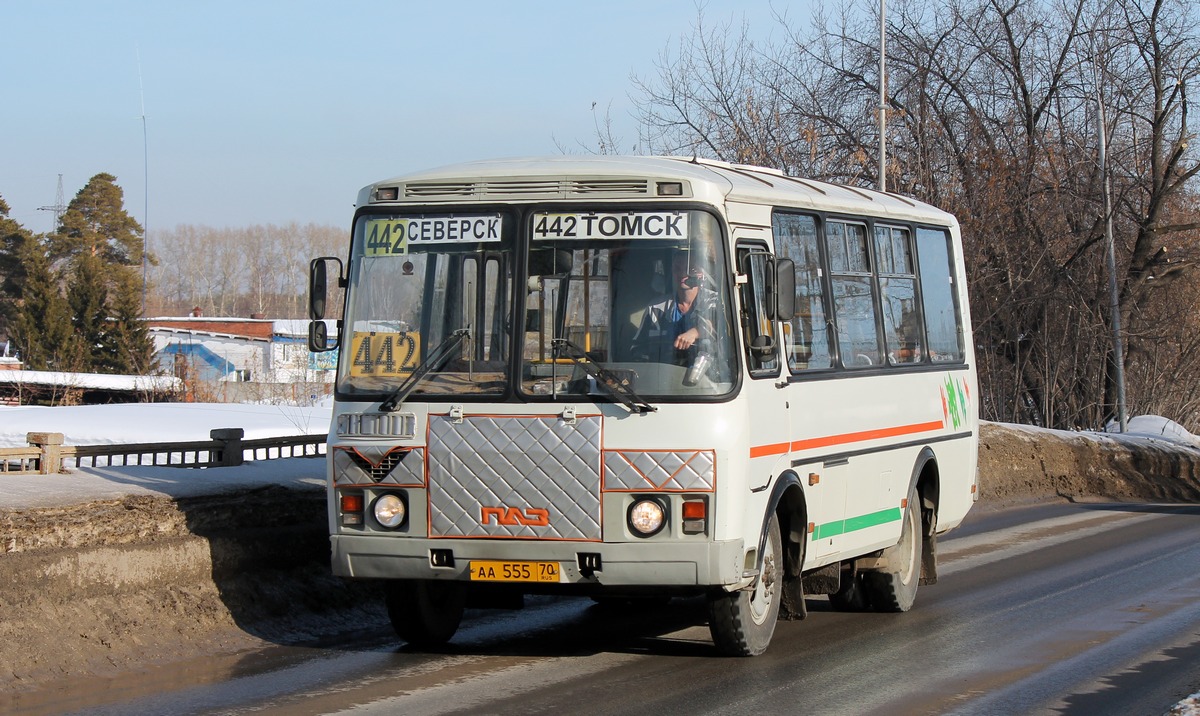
[(229, 453), (50, 444)]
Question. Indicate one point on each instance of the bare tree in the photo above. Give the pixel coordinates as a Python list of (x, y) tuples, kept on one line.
[(992, 116), (260, 269)]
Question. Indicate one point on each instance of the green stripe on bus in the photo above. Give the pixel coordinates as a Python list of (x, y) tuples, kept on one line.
[(837, 527)]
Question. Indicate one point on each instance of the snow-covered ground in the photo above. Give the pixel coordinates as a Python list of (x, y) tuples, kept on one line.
[(1141, 427), (156, 422), (159, 422)]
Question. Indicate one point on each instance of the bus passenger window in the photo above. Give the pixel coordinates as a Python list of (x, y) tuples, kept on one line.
[(898, 289), (853, 299), (943, 323), (806, 336)]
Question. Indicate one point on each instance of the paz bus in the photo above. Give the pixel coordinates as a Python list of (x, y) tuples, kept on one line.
[(644, 378)]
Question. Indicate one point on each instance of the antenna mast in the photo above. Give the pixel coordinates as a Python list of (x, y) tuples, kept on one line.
[(145, 181)]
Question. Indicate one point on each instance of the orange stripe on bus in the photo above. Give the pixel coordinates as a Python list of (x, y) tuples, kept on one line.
[(767, 450), (844, 439)]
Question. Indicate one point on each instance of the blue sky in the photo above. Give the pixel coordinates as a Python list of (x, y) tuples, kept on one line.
[(272, 112)]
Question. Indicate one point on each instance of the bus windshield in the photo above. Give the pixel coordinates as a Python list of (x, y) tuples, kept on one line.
[(428, 303), (641, 294), (618, 306)]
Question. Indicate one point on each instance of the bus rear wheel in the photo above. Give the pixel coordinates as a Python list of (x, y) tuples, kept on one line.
[(894, 587), (743, 622), (425, 613)]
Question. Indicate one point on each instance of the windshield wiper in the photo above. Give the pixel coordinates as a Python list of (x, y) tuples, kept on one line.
[(604, 378), (435, 361)]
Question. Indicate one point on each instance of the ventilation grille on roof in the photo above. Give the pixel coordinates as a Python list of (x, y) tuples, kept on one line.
[(529, 187)]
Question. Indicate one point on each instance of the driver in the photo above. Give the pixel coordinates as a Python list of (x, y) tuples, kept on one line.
[(675, 326)]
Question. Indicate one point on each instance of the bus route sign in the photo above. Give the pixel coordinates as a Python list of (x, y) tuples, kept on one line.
[(628, 225), (387, 237), (380, 354)]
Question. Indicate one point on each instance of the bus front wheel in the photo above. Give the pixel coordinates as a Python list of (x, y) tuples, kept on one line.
[(425, 613), (743, 622)]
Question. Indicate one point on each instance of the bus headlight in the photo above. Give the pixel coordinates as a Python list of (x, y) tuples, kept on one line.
[(647, 517), (390, 510)]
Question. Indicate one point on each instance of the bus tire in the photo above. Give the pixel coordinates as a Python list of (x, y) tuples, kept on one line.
[(425, 613), (894, 587), (743, 622)]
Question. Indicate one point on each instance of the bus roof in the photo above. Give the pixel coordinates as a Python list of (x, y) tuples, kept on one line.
[(601, 178)]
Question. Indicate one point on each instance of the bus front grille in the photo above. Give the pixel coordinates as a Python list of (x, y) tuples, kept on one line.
[(514, 477)]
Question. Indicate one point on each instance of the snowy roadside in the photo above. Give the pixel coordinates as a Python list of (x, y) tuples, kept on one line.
[(159, 422), (156, 422)]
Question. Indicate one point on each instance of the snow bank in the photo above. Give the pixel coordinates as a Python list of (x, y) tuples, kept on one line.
[(1154, 426), (150, 423), (159, 422)]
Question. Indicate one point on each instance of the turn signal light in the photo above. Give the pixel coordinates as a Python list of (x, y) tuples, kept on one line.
[(695, 514), (352, 508)]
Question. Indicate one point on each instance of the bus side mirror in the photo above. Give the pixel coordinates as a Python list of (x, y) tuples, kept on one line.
[(318, 337), (318, 291), (781, 290), (318, 287)]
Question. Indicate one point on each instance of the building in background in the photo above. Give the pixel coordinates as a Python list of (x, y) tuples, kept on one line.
[(243, 359)]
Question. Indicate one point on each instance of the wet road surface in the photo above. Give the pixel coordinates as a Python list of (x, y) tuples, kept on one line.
[(1061, 609)]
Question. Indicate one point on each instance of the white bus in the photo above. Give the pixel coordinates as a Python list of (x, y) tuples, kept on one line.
[(646, 377)]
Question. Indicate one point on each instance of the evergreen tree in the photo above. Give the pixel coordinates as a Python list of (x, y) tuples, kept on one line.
[(87, 295), (12, 273), (95, 222), (41, 328), (100, 249), (127, 346)]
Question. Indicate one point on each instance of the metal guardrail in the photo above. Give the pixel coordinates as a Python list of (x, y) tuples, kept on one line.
[(46, 453)]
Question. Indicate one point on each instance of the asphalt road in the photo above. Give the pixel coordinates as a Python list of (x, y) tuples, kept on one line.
[(1063, 609)]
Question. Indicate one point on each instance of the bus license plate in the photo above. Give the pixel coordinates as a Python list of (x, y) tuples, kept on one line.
[(496, 571)]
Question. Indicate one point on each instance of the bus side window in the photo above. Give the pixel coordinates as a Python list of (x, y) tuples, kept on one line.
[(898, 289), (853, 297), (806, 337), (761, 342), (943, 322)]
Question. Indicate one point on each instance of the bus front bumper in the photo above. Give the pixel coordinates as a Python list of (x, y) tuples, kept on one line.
[(700, 563)]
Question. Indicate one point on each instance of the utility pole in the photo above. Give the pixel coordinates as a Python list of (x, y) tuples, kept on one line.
[(1114, 296), (882, 95)]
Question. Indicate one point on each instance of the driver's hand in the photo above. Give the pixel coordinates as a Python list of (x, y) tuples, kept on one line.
[(687, 339)]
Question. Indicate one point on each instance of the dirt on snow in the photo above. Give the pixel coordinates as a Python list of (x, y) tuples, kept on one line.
[(116, 585)]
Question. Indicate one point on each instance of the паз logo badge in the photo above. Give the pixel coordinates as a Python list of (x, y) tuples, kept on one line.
[(513, 516)]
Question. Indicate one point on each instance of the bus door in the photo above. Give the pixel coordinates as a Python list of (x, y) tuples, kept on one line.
[(766, 392)]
